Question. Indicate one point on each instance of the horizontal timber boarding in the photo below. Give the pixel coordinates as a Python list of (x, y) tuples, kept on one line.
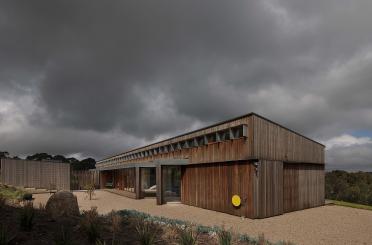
[(303, 186), (274, 142), (35, 174), (211, 186), (269, 191)]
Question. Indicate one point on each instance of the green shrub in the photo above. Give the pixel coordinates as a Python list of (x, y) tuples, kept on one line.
[(26, 217), (224, 237), (146, 232), (27, 197), (187, 236), (91, 225), (63, 237)]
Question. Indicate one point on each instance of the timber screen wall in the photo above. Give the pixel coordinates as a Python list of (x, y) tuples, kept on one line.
[(35, 174)]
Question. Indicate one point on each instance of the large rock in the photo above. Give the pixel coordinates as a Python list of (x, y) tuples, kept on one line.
[(62, 203)]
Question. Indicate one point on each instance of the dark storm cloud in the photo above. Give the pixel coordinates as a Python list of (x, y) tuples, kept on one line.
[(142, 70)]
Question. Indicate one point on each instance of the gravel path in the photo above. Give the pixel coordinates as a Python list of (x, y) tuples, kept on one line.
[(323, 225)]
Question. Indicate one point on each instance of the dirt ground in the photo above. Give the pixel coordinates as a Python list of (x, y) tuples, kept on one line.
[(322, 225)]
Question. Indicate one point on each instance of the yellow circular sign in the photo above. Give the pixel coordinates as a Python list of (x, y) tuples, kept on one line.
[(236, 200)]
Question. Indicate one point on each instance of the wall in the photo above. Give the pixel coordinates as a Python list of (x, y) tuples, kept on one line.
[(303, 186), (211, 186), (285, 187), (269, 189), (35, 174), (273, 142), (229, 150), (81, 178)]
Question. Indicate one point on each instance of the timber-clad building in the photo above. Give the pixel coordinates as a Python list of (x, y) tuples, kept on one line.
[(268, 168)]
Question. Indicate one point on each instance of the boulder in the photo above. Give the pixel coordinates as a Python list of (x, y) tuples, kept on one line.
[(62, 203)]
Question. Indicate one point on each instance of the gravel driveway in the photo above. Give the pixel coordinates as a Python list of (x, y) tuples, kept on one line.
[(322, 225)]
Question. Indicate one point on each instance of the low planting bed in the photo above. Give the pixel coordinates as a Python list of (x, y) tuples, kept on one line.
[(21, 223)]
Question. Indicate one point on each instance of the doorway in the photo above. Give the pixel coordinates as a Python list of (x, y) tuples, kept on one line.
[(148, 182), (171, 183)]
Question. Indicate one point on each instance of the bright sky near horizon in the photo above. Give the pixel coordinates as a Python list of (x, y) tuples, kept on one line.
[(94, 78)]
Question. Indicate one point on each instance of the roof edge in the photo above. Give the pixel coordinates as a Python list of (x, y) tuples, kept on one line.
[(214, 125)]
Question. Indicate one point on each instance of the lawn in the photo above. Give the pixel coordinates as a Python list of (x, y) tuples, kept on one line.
[(351, 205)]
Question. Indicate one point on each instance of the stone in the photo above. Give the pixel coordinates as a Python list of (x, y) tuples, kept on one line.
[(62, 203)]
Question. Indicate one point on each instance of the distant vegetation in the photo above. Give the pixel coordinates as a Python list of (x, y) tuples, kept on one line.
[(88, 163), (349, 187)]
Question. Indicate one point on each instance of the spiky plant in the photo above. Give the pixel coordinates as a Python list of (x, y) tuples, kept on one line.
[(146, 232), (26, 217)]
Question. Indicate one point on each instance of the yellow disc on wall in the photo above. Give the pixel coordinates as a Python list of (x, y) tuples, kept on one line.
[(236, 200)]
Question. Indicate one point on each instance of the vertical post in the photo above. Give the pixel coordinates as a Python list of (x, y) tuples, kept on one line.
[(138, 183), (159, 185)]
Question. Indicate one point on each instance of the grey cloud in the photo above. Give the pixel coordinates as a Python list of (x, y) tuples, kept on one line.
[(147, 70), (354, 158)]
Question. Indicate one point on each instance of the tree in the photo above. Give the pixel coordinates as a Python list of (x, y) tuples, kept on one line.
[(40, 157), (88, 163), (4, 154), (60, 158)]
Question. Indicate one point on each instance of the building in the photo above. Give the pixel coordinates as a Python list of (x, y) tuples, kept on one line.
[(267, 168)]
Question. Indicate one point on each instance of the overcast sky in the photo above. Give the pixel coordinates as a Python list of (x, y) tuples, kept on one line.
[(94, 78)]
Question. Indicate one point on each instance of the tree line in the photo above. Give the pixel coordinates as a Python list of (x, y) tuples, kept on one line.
[(349, 187), (85, 164)]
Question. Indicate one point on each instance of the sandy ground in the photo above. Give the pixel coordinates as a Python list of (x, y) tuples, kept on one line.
[(323, 225)]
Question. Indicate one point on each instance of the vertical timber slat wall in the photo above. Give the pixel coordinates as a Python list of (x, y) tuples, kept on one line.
[(35, 174), (211, 186), (269, 194), (273, 142), (303, 186), (80, 179)]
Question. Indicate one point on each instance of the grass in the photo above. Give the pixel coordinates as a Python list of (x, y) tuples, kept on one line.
[(351, 205), (26, 217), (11, 192)]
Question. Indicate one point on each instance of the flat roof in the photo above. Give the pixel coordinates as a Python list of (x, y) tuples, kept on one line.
[(211, 126)]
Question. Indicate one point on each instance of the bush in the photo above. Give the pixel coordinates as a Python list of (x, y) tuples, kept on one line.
[(146, 232), (4, 238), (90, 224), (115, 224), (2, 201), (224, 237), (63, 237), (27, 197), (26, 217), (187, 236), (90, 190)]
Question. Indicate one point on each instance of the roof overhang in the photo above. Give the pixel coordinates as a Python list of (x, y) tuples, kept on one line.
[(148, 164)]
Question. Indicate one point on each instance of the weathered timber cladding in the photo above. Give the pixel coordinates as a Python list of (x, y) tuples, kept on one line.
[(105, 177), (254, 165), (211, 186), (269, 192), (80, 179), (35, 174), (273, 142), (303, 186), (230, 150)]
